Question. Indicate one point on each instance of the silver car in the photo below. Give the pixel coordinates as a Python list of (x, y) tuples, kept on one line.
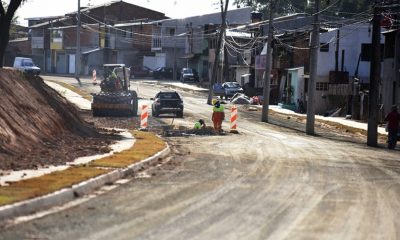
[(231, 88)]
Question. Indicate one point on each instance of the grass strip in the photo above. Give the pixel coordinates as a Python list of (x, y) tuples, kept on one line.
[(77, 90), (39, 186), (147, 144)]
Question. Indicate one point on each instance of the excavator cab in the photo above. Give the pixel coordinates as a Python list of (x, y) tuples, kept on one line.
[(115, 98), (116, 78)]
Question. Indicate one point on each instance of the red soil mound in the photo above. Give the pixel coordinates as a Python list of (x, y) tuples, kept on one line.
[(33, 117)]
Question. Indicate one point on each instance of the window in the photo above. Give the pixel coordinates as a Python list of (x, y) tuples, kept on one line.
[(127, 33), (390, 45), (171, 31), (324, 47), (168, 95), (322, 86), (366, 52)]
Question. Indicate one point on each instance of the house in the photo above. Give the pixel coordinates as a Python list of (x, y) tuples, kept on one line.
[(344, 60), (18, 45), (344, 55), (290, 59), (391, 70), (110, 33), (190, 42)]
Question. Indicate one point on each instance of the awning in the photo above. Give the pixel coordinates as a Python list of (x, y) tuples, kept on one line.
[(238, 34), (187, 56), (91, 51), (390, 31)]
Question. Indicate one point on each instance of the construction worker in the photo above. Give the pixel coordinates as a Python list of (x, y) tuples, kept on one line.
[(393, 119), (218, 115), (200, 124)]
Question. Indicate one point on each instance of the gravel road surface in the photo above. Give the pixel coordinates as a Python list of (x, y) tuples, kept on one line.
[(268, 182)]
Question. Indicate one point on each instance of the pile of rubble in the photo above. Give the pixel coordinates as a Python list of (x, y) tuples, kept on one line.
[(184, 132), (240, 98)]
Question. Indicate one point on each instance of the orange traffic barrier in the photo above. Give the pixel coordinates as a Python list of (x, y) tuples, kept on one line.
[(234, 116), (94, 76), (144, 116)]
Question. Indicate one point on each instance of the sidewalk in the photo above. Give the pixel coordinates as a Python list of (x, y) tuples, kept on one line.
[(340, 120), (183, 86)]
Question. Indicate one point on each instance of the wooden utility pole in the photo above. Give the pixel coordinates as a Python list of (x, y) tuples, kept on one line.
[(372, 137), (78, 45), (314, 48), (217, 52), (267, 75)]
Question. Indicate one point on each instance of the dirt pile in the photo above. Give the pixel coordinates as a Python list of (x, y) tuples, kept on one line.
[(38, 126)]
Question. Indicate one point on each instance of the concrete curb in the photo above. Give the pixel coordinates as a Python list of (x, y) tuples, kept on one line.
[(68, 194)]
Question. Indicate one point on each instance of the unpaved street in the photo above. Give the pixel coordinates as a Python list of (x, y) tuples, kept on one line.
[(268, 182)]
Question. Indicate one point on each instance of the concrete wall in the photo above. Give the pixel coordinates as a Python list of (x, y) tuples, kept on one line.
[(351, 38), (391, 73)]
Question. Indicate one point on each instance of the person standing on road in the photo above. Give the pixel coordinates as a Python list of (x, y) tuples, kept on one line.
[(218, 115), (393, 119)]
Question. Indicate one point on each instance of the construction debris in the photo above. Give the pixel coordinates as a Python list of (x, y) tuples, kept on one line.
[(240, 98), (185, 132)]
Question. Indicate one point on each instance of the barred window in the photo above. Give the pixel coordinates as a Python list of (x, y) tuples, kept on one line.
[(322, 86), (324, 47)]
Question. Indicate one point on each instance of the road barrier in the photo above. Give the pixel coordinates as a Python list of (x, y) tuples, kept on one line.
[(144, 116), (94, 77), (234, 116)]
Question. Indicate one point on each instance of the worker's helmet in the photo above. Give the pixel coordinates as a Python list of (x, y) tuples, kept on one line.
[(214, 101)]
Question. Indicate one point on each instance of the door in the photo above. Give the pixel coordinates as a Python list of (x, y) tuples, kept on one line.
[(71, 68)]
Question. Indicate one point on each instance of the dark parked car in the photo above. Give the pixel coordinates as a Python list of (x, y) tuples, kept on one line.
[(167, 102), (141, 71), (162, 72), (227, 89), (189, 75)]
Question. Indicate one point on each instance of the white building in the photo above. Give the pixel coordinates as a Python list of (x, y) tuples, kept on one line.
[(352, 44)]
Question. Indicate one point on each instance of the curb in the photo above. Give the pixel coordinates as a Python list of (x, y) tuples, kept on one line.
[(68, 194)]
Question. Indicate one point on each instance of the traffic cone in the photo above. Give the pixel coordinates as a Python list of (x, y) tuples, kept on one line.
[(144, 117), (234, 116)]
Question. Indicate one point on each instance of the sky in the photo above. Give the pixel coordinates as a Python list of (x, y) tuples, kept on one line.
[(171, 8)]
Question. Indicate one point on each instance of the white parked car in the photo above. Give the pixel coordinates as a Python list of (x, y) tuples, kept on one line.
[(26, 65)]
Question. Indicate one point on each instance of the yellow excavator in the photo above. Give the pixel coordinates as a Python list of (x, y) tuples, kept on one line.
[(115, 97)]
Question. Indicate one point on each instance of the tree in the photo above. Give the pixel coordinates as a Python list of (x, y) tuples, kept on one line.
[(6, 17), (284, 6), (341, 8)]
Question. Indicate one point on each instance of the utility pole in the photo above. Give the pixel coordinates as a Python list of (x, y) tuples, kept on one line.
[(267, 75), (372, 137), (78, 45), (217, 52), (337, 54), (314, 48), (174, 75)]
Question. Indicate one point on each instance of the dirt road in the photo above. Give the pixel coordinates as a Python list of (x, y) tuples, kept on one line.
[(268, 182)]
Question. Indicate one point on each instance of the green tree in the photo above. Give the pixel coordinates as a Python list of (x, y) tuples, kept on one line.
[(342, 8), (7, 12), (282, 7)]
